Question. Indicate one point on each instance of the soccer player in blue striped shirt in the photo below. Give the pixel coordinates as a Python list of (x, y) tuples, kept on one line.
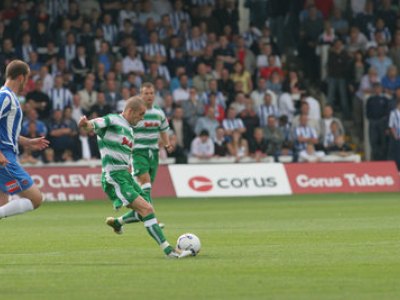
[(13, 178)]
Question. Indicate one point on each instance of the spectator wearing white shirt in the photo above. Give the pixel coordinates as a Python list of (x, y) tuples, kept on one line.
[(202, 146), (310, 155), (127, 13), (182, 93), (132, 62), (286, 106), (315, 108), (46, 78)]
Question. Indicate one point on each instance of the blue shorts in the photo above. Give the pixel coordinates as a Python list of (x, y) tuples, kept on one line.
[(13, 178)]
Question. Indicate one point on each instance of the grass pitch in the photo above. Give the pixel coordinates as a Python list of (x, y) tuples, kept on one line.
[(297, 247)]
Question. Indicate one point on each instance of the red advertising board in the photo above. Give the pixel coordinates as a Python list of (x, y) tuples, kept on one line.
[(343, 177), (84, 183), (68, 183)]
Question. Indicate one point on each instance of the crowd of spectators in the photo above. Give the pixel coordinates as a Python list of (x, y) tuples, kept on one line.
[(252, 93)]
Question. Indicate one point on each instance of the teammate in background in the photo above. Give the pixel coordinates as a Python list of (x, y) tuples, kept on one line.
[(145, 150), (13, 178), (115, 140)]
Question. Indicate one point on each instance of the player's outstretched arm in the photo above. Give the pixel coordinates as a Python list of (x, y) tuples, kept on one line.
[(36, 144), (86, 124)]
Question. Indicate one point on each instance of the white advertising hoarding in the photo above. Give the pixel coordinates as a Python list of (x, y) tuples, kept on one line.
[(256, 179)]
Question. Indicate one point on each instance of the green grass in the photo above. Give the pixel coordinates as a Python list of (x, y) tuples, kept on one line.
[(299, 247)]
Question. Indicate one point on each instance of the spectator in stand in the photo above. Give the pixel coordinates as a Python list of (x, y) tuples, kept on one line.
[(244, 55), (338, 68), (377, 113), (394, 142), (184, 133), (340, 148), (312, 122), (208, 122), (220, 143), (32, 117), (193, 109), (381, 62), (258, 145), (47, 79), (258, 94), (213, 89), (315, 108), (132, 62), (218, 108), (267, 109), (232, 123), (240, 102), (168, 106), (125, 94), (311, 28), (241, 75), (274, 83), (309, 154), (202, 146), (110, 30), (266, 52), (178, 15), (39, 100), (328, 139), (226, 86), (224, 52), (195, 45), (391, 81), (25, 48), (182, 94), (60, 97), (112, 94), (73, 126), (202, 79), (69, 50), (59, 135), (272, 67), (339, 24), (394, 52), (81, 65), (154, 51), (327, 119), (86, 147), (102, 108), (273, 135), (34, 63), (249, 118), (105, 56), (77, 112), (88, 95), (357, 41), (303, 133), (238, 146)]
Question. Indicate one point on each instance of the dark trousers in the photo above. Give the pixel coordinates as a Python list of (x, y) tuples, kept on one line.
[(394, 151), (377, 139)]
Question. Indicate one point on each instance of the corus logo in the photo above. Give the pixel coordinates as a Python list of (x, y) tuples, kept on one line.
[(200, 184)]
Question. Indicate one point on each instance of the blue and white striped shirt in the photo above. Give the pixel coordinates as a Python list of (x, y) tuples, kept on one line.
[(176, 18), (154, 49), (10, 120), (394, 120), (60, 98), (306, 132), (264, 111)]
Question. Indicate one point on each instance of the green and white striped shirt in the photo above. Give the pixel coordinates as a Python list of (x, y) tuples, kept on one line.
[(147, 132), (115, 141)]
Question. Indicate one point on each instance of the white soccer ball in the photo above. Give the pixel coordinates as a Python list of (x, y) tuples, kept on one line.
[(189, 241)]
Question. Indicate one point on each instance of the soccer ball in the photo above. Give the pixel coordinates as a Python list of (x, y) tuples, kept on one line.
[(189, 241)]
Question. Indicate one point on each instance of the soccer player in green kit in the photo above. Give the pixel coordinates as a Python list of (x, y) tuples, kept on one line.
[(145, 151), (115, 139)]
